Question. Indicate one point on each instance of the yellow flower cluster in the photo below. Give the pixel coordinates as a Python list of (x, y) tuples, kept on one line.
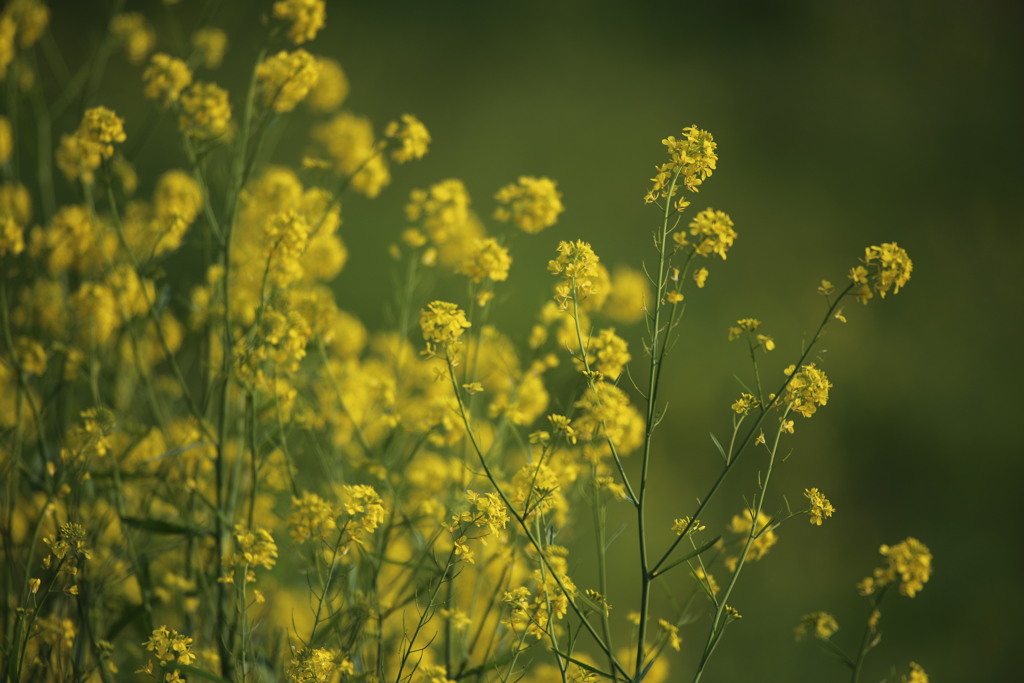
[(349, 143), (169, 645), (306, 18), (165, 78), (807, 390), (532, 204), (312, 517), (821, 508), (909, 562), (448, 223), (205, 112), (577, 264), (442, 323), (610, 354), (713, 234), (285, 79), (410, 137), (69, 540), (315, 665), (916, 675), (254, 547), (488, 261), (692, 158), (82, 152), (133, 31), (287, 233), (606, 413), (27, 20), (331, 88), (886, 267), (365, 509), (821, 625), (764, 537), (210, 45)]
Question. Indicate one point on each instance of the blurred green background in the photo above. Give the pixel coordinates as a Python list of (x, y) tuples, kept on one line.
[(840, 124)]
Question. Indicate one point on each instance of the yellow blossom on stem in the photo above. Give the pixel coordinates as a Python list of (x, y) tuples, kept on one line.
[(693, 157), (821, 625), (488, 260), (81, 153), (821, 508), (133, 31), (284, 79), (410, 137), (909, 562), (306, 18), (442, 323), (165, 78), (532, 204), (210, 44), (807, 390), (205, 112)]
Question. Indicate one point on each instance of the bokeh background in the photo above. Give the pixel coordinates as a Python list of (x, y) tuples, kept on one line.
[(840, 124)]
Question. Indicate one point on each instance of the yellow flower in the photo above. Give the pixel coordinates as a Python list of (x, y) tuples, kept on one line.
[(764, 538), (532, 204), (713, 232), (576, 263), (306, 17), (348, 141), (331, 88), (909, 561), (205, 112), (29, 19), (284, 79), (888, 266), (489, 260), (210, 45), (672, 632), (165, 78), (312, 518), (819, 624), (81, 153), (132, 30), (916, 675), (820, 506), (693, 157), (6, 140), (807, 390), (410, 136), (168, 645), (442, 323)]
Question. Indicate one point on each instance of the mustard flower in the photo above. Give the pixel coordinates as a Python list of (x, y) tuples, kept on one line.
[(312, 518), (331, 88), (6, 140), (671, 631), (30, 19), (744, 403), (94, 307), (628, 295), (532, 204), (306, 17), (205, 112), (606, 413), (693, 157), (284, 79), (442, 323), (821, 625), (821, 508), (314, 665), (365, 509), (287, 234), (888, 267), (916, 675), (349, 143), (610, 353), (765, 538), (69, 540), (807, 390), (133, 31), (489, 261), (909, 562), (81, 153), (12, 239), (713, 233), (254, 547), (210, 44), (410, 137), (576, 263), (169, 645), (8, 31), (165, 78)]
